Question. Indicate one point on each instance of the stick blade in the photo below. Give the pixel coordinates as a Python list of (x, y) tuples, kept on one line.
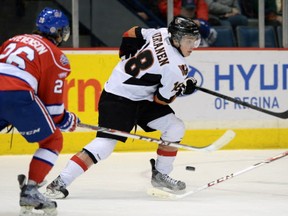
[(222, 141), (155, 192)]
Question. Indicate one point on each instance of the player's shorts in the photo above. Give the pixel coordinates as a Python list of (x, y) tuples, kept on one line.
[(122, 114), (26, 112)]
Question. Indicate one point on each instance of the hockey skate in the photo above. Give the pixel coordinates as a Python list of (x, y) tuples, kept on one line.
[(160, 180), (32, 202), (56, 189)]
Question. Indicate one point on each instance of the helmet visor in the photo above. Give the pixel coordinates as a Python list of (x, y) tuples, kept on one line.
[(190, 41), (66, 33)]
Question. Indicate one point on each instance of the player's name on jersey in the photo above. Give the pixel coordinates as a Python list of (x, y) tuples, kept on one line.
[(159, 49), (31, 41)]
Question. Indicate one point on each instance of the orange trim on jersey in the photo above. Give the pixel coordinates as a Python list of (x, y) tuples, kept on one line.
[(80, 162), (130, 32)]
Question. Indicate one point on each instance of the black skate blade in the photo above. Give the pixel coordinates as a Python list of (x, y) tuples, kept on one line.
[(22, 180), (152, 162)]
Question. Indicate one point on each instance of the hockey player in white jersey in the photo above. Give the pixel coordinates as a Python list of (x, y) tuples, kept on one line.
[(151, 74)]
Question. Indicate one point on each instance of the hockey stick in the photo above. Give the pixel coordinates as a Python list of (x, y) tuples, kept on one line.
[(170, 195), (283, 115), (219, 143)]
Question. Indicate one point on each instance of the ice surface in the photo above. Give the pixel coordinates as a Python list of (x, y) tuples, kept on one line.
[(117, 186)]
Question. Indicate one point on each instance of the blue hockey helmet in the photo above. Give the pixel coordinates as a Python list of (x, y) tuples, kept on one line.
[(53, 22)]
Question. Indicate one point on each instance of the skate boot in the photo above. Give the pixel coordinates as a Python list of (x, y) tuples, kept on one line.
[(32, 202), (57, 189), (164, 181)]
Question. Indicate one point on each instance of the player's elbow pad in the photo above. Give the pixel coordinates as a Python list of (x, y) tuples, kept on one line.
[(130, 45)]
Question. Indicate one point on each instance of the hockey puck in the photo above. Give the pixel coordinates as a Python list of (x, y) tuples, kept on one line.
[(190, 168)]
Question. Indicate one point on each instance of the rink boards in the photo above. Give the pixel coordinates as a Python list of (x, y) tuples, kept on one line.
[(257, 76)]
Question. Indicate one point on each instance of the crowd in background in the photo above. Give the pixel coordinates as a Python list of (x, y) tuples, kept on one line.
[(210, 13), (212, 16)]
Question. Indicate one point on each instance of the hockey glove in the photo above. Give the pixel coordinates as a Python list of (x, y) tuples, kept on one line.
[(187, 87), (69, 122), (204, 28), (212, 36)]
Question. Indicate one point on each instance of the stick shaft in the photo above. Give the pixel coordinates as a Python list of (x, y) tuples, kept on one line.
[(283, 115), (166, 194), (232, 175), (219, 143)]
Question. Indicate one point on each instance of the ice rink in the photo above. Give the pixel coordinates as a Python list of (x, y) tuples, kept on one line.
[(117, 186)]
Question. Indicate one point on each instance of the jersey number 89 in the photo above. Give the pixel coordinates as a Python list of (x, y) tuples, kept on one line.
[(142, 61)]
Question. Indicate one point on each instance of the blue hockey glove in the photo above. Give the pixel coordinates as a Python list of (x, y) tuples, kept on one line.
[(204, 28), (69, 122)]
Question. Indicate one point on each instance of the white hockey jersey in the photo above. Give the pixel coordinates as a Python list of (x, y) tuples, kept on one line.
[(156, 69)]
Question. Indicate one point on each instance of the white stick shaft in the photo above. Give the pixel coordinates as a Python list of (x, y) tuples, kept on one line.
[(219, 143)]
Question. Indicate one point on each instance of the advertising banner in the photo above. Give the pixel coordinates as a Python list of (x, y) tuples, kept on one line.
[(258, 77)]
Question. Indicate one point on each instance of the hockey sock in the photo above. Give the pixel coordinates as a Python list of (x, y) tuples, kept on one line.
[(165, 159), (74, 168), (42, 162)]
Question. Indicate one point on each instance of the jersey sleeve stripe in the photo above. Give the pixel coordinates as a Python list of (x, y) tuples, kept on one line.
[(46, 114), (13, 71), (55, 109)]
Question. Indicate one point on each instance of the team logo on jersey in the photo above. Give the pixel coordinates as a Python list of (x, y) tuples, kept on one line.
[(64, 60), (62, 75), (183, 69)]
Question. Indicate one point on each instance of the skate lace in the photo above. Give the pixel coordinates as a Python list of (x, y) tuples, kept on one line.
[(58, 183), (35, 194), (169, 180)]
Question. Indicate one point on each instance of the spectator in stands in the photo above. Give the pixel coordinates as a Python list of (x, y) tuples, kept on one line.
[(162, 5), (196, 10), (273, 16), (148, 11), (226, 12), (189, 8)]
